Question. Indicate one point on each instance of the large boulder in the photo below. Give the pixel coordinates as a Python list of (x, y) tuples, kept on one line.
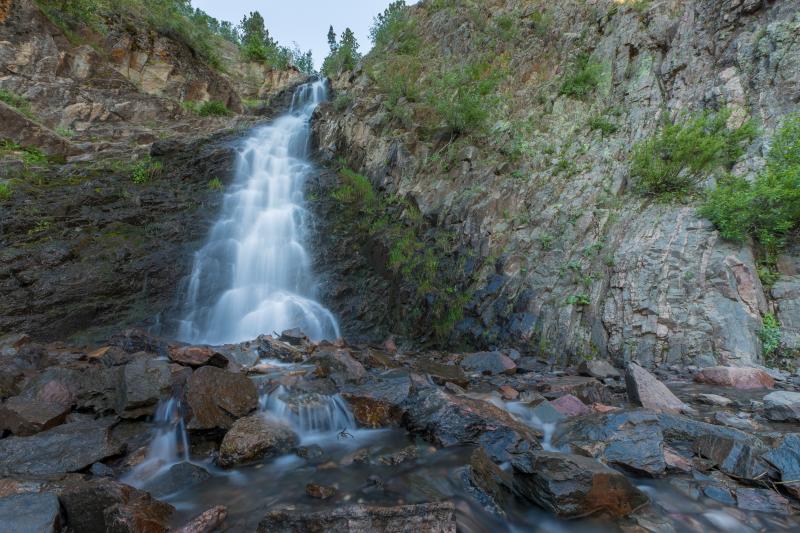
[(197, 356), (255, 437), (573, 486), (733, 456), (588, 390), (646, 390), (25, 417), (66, 448), (218, 398), (489, 363), (145, 382), (744, 378), (339, 366), (489, 484), (598, 368), (786, 459), (30, 513), (379, 402), (420, 518), (782, 406)]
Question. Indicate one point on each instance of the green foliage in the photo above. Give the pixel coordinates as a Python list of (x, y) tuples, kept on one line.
[(344, 55), (342, 101), (463, 96), (145, 170), (17, 102), (579, 299), (769, 208), (584, 78), (603, 125), (680, 156), (770, 335), (393, 29), (216, 184), (213, 108), (355, 190), (5, 190)]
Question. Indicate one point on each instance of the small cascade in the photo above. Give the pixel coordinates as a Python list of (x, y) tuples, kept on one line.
[(169, 446), (309, 413), (526, 415)]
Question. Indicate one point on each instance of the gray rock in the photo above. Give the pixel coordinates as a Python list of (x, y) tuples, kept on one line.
[(145, 382), (339, 366), (179, 477), (644, 389), (732, 456), (489, 363), (379, 402), (30, 513), (782, 406), (762, 500), (24, 417), (255, 437), (714, 399), (786, 459), (598, 368)]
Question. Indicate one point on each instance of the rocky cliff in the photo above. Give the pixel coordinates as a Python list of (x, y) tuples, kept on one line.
[(571, 262)]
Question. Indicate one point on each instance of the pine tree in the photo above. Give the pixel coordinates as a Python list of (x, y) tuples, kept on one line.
[(332, 39)]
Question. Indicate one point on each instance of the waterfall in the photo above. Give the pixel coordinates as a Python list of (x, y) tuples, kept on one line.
[(308, 413), (253, 275)]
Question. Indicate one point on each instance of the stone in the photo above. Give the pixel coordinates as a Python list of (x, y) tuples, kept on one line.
[(420, 518), (339, 366), (145, 382), (645, 390), (786, 459), (379, 402), (489, 363), (676, 461), (320, 492), (762, 500), (598, 368), (735, 421), (732, 456), (631, 440), (743, 378), (720, 494), (544, 413), (56, 392), (441, 374), (569, 406), (26, 132), (508, 393), (24, 417), (30, 513), (65, 448), (179, 476), (255, 437), (714, 399), (782, 406), (573, 486), (447, 420), (197, 356), (102, 505), (490, 485), (588, 390), (312, 452), (208, 522), (218, 398), (406, 454), (603, 408), (294, 336)]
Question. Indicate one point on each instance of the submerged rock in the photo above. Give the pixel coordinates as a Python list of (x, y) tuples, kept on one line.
[(782, 406), (30, 513), (178, 477), (320, 492), (572, 486), (744, 378), (762, 500), (255, 437), (644, 389), (218, 398), (419, 518)]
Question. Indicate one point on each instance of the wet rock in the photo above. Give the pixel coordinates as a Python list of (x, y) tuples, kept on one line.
[(406, 454), (714, 399), (489, 484), (442, 374), (786, 459), (24, 417), (569, 406), (508, 393), (358, 457), (421, 518), (720, 494), (735, 421), (489, 363), (66, 448), (218, 398), (379, 402), (339, 366), (178, 477), (598, 368), (743, 378), (545, 413), (208, 522), (732, 456), (572, 486), (145, 382), (255, 437), (197, 356), (101, 470), (645, 390), (631, 440), (588, 390), (99, 506), (782, 406), (762, 500), (30, 513), (295, 337), (676, 462), (311, 452), (320, 492)]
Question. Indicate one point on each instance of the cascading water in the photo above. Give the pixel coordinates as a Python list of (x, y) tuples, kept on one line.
[(253, 275), (309, 413)]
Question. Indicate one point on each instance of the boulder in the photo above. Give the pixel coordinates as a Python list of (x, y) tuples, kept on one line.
[(732, 456), (489, 363), (218, 398), (255, 437), (66, 448), (441, 373), (420, 518), (598, 368), (102, 505), (646, 390), (30, 513), (448, 420), (631, 440), (489, 484), (573, 486), (25, 417), (295, 337), (569, 406), (508, 393), (786, 459), (145, 382), (743, 378), (339, 366), (782, 406), (197, 356), (379, 401), (714, 399), (208, 522), (588, 390)]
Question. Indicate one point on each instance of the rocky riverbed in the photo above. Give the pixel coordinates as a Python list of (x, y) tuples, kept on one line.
[(282, 434)]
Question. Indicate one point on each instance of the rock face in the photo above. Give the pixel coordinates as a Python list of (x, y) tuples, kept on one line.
[(424, 518), (255, 437), (30, 513), (782, 406), (218, 398), (736, 377), (647, 391), (574, 486)]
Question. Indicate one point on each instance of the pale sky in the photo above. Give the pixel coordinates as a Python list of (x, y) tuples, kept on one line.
[(304, 21)]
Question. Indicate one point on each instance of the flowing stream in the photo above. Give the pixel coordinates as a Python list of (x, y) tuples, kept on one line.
[(253, 275)]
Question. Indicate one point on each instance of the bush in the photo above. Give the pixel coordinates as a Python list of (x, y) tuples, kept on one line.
[(5, 190), (680, 156), (213, 108), (464, 96), (393, 29), (17, 102), (584, 79), (216, 184), (145, 170), (769, 208), (603, 125), (770, 335), (342, 101), (355, 190)]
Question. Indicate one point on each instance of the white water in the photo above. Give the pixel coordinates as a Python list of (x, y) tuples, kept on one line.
[(311, 413), (253, 275)]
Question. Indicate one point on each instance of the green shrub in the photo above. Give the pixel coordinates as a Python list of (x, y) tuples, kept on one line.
[(770, 335), (769, 208), (393, 29), (216, 184), (17, 102), (5, 190), (682, 155), (213, 108), (583, 80), (464, 96), (579, 299), (603, 125), (342, 101), (145, 170), (355, 190)]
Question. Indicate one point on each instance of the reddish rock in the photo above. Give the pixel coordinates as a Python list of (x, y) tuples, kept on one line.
[(676, 461), (218, 398), (646, 390), (744, 378), (587, 389), (25, 417), (509, 393), (207, 522), (569, 405), (55, 392), (255, 437), (603, 408), (339, 366), (197, 356), (379, 402), (320, 492)]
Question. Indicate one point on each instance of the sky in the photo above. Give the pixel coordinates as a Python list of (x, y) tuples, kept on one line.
[(305, 22)]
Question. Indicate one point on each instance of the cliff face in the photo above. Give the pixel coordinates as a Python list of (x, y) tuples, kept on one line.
[(584, 267)]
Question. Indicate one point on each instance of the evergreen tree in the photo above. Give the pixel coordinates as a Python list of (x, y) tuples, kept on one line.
[(344, 55), (332, 39)]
